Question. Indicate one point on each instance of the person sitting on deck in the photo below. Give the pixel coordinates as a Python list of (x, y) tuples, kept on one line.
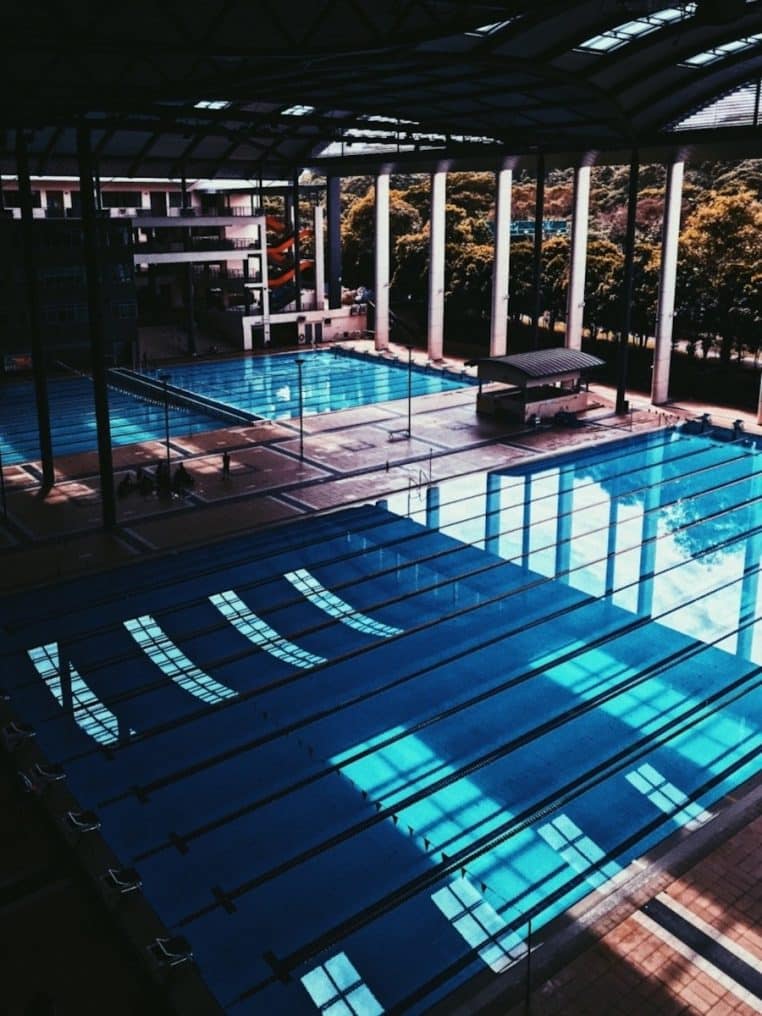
[(182, 477), (125, 485)]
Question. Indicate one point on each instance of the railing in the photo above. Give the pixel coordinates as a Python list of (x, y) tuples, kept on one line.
[(156, 391)]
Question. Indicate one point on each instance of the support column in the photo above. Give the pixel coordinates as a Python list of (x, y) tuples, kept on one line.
[(498, 339), (334, 241), (665, 313), (539, 207), (575, 303), (437, 265), (492, 514), (190, 297), (33, 310), (97, 330), (381, 283), (629, 272), (317, 240), (297, 241)]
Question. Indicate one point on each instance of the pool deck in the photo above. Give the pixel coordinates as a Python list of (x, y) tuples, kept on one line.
[(628, 963)]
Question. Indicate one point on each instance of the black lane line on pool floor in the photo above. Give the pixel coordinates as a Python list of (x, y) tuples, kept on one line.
[(720, 957)]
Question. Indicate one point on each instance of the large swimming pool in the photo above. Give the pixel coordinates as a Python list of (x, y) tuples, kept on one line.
[(352, 757), (267, 386)]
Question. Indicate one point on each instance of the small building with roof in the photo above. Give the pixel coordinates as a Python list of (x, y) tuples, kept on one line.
[(534, 385)]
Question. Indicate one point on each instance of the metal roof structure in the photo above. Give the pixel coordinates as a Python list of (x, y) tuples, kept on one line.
[(537, 367), (260, 90)]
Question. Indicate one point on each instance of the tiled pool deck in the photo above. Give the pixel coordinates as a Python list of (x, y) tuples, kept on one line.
[(628, 962)]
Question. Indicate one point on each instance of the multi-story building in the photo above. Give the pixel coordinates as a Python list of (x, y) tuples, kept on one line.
[(180, 263)]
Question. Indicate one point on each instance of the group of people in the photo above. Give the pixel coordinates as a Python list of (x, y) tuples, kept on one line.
[(163, 480)]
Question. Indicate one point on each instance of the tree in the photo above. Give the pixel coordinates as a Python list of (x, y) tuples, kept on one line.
[(358, 233), (718, 292)]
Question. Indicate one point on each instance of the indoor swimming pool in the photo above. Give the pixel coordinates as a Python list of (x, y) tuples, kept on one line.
[(352, 757), (332, 379), (267, 386)]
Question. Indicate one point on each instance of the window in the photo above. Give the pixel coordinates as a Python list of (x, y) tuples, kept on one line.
[(338, 990), (12, 199), (614, 38), (211, 104), (121, 199), (710, 56), (298, 110)]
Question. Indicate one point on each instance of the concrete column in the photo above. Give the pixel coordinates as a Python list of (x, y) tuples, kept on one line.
[(381, 285), (492, 514), (665, 313), (319, 245), (90, 232), (437, 265), (432, 507), (190, 299), (629, 274), (29, 255), (575, 302), (498, 339), (334, 241), (539, 212)]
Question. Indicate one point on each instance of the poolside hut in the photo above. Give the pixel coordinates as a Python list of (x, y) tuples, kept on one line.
[(536, 385)]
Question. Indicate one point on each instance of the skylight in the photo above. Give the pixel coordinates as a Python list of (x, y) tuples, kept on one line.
[(298, 110), (211, 104), (614, 38), (739, 108), (710, 56), (492, 29)]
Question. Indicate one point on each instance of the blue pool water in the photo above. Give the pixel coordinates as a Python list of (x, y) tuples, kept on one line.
[(364, 752), (266, 386), (269, 386), (72, 417)]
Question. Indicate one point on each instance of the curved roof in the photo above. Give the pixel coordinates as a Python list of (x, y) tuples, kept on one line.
[(538, 365), (249, 89)]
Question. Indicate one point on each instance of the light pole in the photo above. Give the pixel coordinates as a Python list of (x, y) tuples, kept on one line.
[(2, 488), (164, 378), (409, 390), (299, 363)]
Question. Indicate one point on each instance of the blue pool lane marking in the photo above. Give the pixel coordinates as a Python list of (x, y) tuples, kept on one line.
[(336, 988), (234, 610), (174, 663), (88, 711), (578, 850), (331, 604), (480, 925), (668, 798)]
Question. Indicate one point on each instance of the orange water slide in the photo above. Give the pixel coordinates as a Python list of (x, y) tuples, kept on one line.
[(288, 275), (277, 253)]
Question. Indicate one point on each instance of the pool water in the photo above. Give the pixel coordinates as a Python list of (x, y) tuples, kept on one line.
[(331, 380), (72, 419), (364, 752), (267, 386)]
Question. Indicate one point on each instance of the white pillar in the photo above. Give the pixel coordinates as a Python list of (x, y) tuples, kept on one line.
[(319, 245), (667, 278), (437, 265), (575, 303), (498, 336), (381, 286)]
